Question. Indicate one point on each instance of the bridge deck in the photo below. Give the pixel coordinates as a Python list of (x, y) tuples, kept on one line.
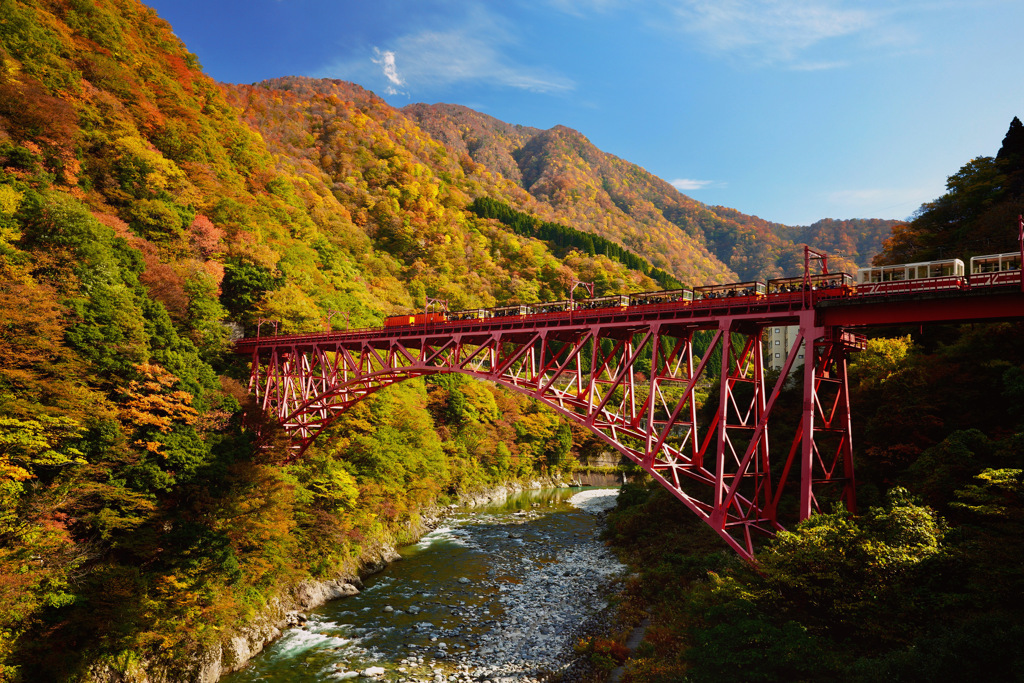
[(989, 304)]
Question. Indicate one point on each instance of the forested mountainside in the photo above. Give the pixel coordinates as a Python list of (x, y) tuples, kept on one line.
[(485, 139), (408, 195), (856, 240), (598, 192), (351, 153), (925, 583)]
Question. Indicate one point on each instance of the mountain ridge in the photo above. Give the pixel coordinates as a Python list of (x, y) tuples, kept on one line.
[(559, 166)]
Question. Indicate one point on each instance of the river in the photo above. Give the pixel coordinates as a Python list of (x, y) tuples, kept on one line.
[(496, 593)]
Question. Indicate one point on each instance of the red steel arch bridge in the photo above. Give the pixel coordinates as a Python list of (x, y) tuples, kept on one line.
[(585, 365)]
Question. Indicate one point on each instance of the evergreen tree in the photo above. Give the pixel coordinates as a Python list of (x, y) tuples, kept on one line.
[(1011, 154), (1011, 157)]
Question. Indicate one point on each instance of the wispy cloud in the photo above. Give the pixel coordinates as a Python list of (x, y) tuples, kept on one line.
[(474, 51), (386, 60), (459, 55), (788, 32), (687, 185)]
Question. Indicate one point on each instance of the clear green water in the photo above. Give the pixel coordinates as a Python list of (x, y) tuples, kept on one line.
[(448, 577)]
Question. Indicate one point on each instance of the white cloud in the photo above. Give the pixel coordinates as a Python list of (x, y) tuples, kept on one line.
[(687, 185), (783, 32), (386, 60), (474, 50)]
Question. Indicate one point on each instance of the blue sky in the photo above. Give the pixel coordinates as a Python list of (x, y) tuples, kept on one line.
[(791, 110)]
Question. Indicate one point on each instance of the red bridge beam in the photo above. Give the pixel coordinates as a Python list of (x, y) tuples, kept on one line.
[(952, 306)]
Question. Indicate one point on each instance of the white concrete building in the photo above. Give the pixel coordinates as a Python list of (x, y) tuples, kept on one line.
[(777, 345)]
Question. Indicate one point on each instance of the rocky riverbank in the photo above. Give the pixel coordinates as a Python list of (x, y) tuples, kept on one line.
[(207, 664)]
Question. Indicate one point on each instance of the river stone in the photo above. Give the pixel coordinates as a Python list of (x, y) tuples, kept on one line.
[(311, 594), (372, 672)]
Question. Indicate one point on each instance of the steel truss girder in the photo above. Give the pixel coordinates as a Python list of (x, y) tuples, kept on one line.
[(715, 458)]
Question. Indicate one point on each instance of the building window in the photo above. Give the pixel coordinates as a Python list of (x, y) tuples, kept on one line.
[(778, 342), (778, 355), (777, 330)]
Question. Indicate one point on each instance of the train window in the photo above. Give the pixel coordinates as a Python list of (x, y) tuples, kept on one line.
[(993, 263), (988, 265)]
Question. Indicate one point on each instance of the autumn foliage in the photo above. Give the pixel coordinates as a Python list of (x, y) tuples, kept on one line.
[(149, 215)]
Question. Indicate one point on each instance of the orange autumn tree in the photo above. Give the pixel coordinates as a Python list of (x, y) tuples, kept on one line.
[(151, 403)]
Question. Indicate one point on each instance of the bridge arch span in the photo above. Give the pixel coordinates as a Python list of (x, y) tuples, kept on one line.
[(722, 467)]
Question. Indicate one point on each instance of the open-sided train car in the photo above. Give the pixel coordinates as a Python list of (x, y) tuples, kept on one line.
[(613, 301), (734, 289), (552, 307), (471, 314), (668, 296), (826, 285), (841, 282), (513, 311)]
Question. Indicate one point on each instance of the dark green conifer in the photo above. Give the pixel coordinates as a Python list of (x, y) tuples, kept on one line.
[(1012, 151), (1011, 157)]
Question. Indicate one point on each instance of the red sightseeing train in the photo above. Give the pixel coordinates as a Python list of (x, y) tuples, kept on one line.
[(992, 270)]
